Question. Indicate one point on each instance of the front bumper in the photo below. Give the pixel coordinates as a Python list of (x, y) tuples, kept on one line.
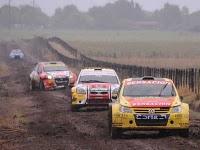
[(49, 84), (81, 100), (55, 83), (129, 122), (62, 82)]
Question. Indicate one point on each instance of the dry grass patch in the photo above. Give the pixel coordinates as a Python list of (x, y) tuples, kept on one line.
[(173, 54), (4, 69), (61, 49)]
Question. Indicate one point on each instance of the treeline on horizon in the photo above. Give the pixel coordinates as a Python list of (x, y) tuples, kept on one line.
[(122, 14)]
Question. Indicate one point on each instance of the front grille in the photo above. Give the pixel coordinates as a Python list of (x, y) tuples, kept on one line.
[(151, 122), (98, 92), (17, 57), (147, 110), (97, 101), (62, 81)]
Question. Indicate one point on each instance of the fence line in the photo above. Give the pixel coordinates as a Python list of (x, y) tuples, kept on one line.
[(189, 78)]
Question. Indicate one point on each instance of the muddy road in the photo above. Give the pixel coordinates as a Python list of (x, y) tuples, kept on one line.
[(43, 120)]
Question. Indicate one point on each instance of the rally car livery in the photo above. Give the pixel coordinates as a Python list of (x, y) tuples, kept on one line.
[(148, 103), (95, 86), (49, 75)]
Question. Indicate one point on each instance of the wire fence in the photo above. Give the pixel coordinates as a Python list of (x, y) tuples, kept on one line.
[(186, 78)]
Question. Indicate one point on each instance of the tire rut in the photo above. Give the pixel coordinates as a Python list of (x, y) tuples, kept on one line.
[(46, 122)]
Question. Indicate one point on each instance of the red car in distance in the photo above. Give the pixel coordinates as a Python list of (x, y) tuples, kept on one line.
[(51, 75)]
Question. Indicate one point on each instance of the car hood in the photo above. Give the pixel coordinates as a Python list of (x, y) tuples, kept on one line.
[(150, 102), (59, 74)]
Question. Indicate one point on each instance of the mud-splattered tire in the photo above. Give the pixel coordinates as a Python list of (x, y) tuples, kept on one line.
[(163, 133), (184, 133), (74, 108), (41, 86), (109, 118), (31, 85), (113, 132)]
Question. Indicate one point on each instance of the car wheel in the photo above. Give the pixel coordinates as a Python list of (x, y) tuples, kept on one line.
[(163, 133), (74, 108), (41, 86), (184, 133), (114, 132), (31, 85), (109, 118), (68, 92)]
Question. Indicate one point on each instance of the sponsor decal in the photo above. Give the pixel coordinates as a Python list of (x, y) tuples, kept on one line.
[(150, 102), (99, 89), (178, 115), (151, 117), (99, 86), (98, 73), (59, 74), (146, 82), (96, 91), (184, 124)]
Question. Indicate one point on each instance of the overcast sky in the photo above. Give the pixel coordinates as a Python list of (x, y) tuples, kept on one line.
[(49, 6)]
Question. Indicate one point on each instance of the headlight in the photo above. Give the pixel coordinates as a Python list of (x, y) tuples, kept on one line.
[(176, 109), (124, 109), (49, 77), (71, 76), (80, 91), (115, 91)]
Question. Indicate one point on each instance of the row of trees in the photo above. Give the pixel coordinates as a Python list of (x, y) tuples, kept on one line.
[(25, 16), (122, 14)]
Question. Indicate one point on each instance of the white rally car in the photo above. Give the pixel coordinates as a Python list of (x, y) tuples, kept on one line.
[(95, 86)]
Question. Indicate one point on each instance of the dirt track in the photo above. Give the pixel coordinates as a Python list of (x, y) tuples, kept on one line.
[(43, 120)]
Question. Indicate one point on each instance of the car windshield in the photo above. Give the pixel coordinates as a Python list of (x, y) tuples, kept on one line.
[(148, 90), (16, 52), (55, 68), (98, 78)]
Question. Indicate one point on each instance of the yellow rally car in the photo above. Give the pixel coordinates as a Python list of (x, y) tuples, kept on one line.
[(148, 103), (94, 87)]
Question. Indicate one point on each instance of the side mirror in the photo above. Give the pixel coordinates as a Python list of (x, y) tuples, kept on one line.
[(181, 98)]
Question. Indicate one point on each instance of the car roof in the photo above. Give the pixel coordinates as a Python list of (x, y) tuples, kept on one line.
[(52, 63), (98, 71), (16, 50), (148, 78)]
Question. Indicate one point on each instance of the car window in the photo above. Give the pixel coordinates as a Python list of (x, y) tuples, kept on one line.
[(40, 69), (98, 78), (36, 68), (145, 90), (55, 68)]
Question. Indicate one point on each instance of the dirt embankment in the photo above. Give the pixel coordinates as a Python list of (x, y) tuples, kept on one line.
[(43, 120)]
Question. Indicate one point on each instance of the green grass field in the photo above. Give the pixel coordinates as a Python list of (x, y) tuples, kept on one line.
[(147, 48)]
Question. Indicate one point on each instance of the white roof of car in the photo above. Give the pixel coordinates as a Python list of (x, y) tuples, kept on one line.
[(16, 50), (98, 71)]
